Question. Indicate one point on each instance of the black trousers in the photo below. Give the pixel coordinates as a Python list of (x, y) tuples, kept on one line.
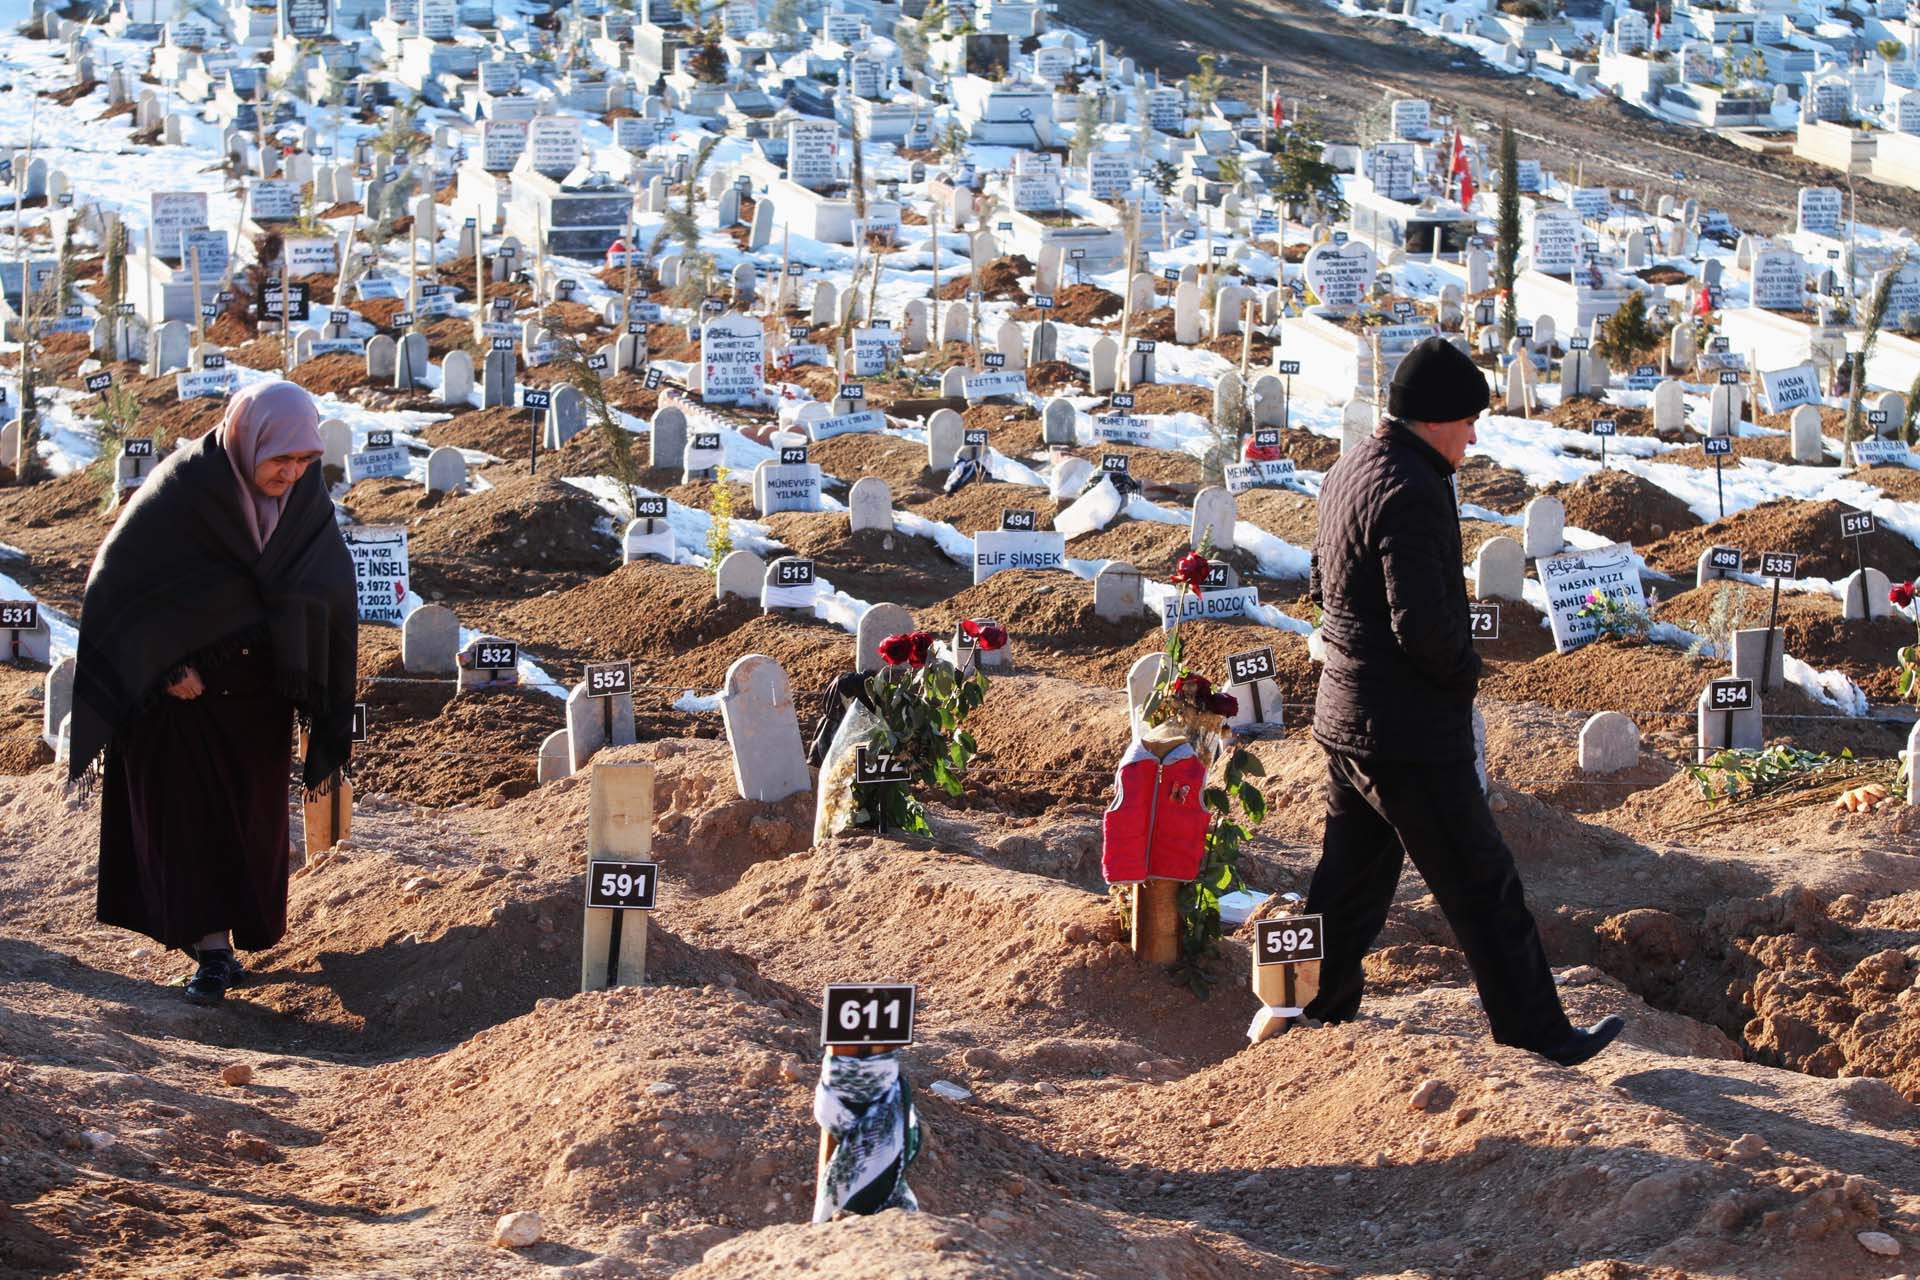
[(1379, 813)]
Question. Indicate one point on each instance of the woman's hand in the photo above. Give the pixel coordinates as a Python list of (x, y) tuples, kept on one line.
[(188, 686)]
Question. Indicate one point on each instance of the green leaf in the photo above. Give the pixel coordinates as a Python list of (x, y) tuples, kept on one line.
[(1254, 803), (1216, 799), (1249, 763)]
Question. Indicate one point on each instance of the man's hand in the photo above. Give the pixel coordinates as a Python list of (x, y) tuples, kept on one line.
[(188, 686)]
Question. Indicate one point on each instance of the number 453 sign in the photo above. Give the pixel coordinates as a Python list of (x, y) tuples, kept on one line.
[(879, 1014)]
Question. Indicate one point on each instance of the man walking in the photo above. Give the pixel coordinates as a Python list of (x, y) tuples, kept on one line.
[(1395, 716)]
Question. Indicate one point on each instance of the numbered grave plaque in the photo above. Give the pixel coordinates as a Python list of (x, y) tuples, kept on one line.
[(1577, 342), (1123, 400), (867, 1014), (19, 615), (994, 360), (609, 679), (98, 382), (596, 363), (1730, 695), (1876, 417), (872, 767), (1727, 559), (536, 400), (1856, 524), (1266, 438), (1605, 427), (1729, 377), (622, 886), (654, 508), (1251, 666), (500, 655), (652, 382), (209, 363), (974, 437), (138, 448), (1217, 579), (708, 440), (379, 440), (1014, 520), (1289, 940), (1113, 464), (1779, 564), (1044, 301), (852, 391), (793, 573), (1483, 621), (502, 344), (1717, 446), (963, 641), (359, 730), (793, 455)]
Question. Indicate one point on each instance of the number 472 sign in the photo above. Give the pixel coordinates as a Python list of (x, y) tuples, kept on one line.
[(867, 1014)]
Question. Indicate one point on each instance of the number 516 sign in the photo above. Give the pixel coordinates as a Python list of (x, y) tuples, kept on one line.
[(867, 1014)]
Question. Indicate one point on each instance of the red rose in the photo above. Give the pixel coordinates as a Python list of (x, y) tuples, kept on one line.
[(921, 643), (896, 649), (1224, 704), (1191, 571), (1902, 594), (993, 637), (1196, 689)]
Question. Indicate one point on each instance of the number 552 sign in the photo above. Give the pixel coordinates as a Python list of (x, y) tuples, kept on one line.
[(876, 1014)]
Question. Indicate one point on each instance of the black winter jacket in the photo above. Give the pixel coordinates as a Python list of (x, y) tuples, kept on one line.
[(1401, 672)]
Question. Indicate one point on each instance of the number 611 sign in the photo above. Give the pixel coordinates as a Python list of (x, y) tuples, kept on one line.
[(867, 1014)]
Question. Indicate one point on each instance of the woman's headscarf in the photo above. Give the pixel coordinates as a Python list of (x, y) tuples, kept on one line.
[(267, 420)]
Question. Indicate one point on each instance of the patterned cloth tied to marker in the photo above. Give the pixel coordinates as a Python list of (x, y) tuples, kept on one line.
[(865, 1106)]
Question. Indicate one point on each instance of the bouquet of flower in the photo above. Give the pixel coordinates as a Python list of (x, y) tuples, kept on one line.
[(1613, 618)]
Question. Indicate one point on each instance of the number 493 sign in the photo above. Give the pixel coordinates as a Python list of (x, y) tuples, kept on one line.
[(877, 1014)]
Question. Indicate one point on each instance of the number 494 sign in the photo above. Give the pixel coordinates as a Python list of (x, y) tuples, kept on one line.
[(863, 1014)]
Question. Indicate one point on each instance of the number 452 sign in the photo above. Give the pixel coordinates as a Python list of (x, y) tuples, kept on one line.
[(867, 1014)]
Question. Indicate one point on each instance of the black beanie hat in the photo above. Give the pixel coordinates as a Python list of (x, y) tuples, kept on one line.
[(1437, 382)]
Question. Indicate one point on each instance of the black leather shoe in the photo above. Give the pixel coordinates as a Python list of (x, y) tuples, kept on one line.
[(219, 972), (1584, 1043)]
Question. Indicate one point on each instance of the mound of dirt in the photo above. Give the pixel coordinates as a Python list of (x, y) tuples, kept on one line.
[(642, 611), (1628, 420), (1486, 483), (546, 533), (1623, 507), (503, 431), (1815, 634), (1153, 548), (1080, 304), (1809, 529), (22, 707), (871, 565), (997, 280)]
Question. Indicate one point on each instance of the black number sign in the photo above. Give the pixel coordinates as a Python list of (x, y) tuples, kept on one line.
[(1017, 521), (654, 508), (19, 615), (1044, 301), (379, 439), (1605, 426), (1577, 342), (1289, 368), (97, 382), (1779, 564), (141, 448), (596, 363), (974, 437), (709, 440), (1255, 664), (793, 455), (401, 319), (1729, 377), (1716, 446), (209, 363), (867, 1014), (871, 767), (1114, 463), (852, 391), (606, 679), (793, 573), (502, 344), (1123, 400), (1076, 255), (652, 380), (1727, 558), (994, 360), (1730, 695), (359, 730), (339, 316), (1217, 576), (1483, 621), (1289, 940), (1856, 524), (1266, 438), (1876, 417), (1144, 346), (496, 655), (797, 333), (622, 886), (532, 398)]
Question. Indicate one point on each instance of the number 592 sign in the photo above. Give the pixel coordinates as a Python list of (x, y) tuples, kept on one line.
[(862, 1014), (1289, 940)]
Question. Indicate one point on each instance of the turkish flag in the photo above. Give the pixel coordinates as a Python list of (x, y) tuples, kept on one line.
[(1279, 111), (1656, 26), (1462, 170)]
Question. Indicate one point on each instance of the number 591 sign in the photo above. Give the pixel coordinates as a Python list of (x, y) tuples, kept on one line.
[(622, 886), (867, 1014)]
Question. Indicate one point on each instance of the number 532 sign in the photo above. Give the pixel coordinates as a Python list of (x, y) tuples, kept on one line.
[(867, 1014)]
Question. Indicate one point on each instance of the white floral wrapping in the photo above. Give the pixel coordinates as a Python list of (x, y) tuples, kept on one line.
[(866, 1106)]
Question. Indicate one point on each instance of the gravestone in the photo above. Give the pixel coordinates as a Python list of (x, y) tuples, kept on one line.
[(1214, 514), (336, 442), (1749, 645), (741, 574), (497, 381), (1864, 596), (1500, 570), (1669, 407), (382, 354), (1716, 731), (446, 470), (1057, 421), (1356, 423), (1142, 676), (733, 359), (756, 704), (456, 378), (1809, 449), (876, 624), (667, 439), (57, 699), (1117, 594), (870, 505), (430, 641), (556, 758), (1609, 742), (596, 721), (1103, 365), (1543, 532), (946, 434)]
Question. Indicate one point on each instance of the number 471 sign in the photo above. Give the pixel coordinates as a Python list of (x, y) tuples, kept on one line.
[(867, 1014)]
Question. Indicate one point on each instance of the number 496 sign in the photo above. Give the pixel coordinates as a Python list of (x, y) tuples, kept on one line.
[(860, 1014)]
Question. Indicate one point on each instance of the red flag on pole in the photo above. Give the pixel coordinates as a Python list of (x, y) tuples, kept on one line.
[(1279, 110), (1462, 170), (1656, 26)]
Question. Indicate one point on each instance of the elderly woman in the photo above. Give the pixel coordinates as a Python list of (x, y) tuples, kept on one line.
[(221, 605)]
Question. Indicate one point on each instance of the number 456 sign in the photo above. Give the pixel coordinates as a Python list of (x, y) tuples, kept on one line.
[(867, 1014)]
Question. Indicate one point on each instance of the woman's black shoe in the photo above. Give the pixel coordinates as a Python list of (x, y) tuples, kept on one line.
[(219, 972)]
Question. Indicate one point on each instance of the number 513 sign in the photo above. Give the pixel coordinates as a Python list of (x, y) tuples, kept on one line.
[(867, 1014)]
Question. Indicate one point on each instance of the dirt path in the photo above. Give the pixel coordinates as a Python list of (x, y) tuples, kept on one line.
[(1346, 69)]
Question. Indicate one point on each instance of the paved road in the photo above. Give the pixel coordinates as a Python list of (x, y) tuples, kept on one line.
[(1346, 69)]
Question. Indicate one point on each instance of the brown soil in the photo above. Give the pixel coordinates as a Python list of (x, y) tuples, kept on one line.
[(1865, 651), (22, 702), (871, 565), (1810, 529), (998, 280), (1080, 304), (1485, 483), (1623, 507)]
